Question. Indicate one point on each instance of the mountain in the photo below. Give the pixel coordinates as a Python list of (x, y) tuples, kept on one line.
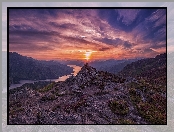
[(27, 68), (71, 62), (112, 66), (90, 97)]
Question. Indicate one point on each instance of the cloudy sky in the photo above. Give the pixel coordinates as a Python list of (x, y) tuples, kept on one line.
[(101, 33)]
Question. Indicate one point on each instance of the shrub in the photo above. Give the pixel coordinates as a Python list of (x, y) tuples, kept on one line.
[(151, 113), (119, 107), (135, 98)]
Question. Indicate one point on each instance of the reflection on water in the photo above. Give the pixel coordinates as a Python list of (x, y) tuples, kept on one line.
[(76, 69)]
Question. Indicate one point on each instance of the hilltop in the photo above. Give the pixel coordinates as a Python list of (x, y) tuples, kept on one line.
[(90, 97)]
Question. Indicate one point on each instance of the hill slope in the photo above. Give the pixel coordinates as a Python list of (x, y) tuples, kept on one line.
[(25, 68), (152, 70)]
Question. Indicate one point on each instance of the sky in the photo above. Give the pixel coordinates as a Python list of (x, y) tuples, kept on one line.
[(54, 34)]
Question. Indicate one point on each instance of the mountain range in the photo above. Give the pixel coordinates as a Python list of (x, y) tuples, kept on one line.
[(110, 65), (133, 96)]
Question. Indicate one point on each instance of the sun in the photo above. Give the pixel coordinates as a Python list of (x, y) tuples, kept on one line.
[(87, 55)]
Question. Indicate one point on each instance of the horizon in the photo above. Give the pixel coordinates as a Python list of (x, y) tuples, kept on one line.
[(60, 60), (87, 35)]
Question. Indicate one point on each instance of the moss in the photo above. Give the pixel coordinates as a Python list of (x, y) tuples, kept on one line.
[(47, 88), (119, 107)]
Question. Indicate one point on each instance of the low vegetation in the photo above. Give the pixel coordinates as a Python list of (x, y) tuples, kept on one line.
[(47, 88), (119, 107), (48, 98)]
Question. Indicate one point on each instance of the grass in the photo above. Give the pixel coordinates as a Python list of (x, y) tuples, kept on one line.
[(47, 88)]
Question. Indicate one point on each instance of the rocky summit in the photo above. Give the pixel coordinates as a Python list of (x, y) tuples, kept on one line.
[(90, 97)]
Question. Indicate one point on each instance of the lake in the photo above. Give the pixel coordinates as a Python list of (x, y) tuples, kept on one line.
[(76, 69)]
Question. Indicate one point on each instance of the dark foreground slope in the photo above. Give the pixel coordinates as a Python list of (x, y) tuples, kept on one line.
[(91, 97), (25, 68), (151, 85)]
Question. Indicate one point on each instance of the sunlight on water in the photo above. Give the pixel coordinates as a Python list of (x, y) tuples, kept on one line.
[(76, 69)]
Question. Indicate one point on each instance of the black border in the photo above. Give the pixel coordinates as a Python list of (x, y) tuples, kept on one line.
[(8, 8)]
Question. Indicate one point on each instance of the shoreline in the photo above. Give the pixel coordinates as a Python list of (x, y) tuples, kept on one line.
[(76, 69)]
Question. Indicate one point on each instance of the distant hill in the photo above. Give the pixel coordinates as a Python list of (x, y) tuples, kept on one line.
[(71, 62), (27, 68), (112, 66)]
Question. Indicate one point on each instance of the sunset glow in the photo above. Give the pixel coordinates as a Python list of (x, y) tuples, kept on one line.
[(61, 34), (87, 55)]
